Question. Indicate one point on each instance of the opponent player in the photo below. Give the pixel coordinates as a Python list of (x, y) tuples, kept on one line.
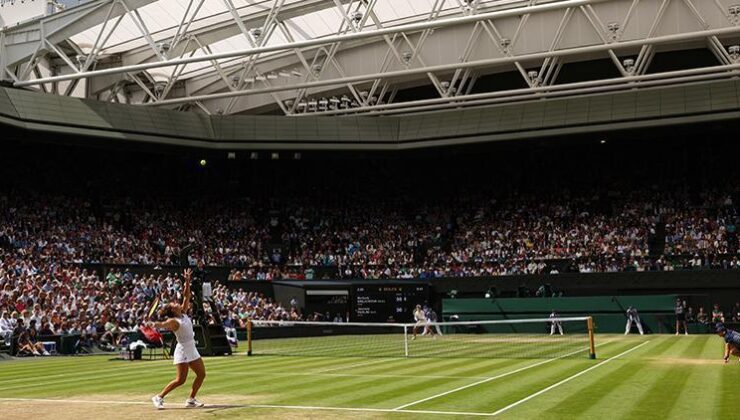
[(633, 316), (185, 355), (421, 320), (433, 326), (555, 323), (732, 341)]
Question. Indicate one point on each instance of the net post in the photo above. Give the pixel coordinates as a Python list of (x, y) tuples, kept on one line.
[(405, 341), (592, 346), (249, 337)]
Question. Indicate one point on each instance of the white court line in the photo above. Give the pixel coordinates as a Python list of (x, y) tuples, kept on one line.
[(281, 407), (540, 392), (521, 369)]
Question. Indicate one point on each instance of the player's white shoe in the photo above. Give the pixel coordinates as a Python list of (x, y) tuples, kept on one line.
[(158, 402), (193, 403)]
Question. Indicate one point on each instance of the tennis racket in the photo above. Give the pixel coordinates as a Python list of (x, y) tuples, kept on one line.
[(153, 308)]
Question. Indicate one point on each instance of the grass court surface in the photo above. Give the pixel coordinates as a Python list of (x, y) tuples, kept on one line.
[(633, 377)]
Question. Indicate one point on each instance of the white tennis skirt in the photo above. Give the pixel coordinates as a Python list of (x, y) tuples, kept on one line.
[(185, 353)]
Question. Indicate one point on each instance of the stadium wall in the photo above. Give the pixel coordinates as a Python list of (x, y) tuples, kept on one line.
[(700, 287), (656, 312)]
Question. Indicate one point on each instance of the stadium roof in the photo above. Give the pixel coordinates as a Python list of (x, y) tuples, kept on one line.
[(162, 18), (99, 123), (337, 57)]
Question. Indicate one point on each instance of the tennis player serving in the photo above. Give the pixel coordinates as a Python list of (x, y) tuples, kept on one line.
[(186, 355)]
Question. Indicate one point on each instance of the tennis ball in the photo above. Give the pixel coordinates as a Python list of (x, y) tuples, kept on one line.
[(203, 162)]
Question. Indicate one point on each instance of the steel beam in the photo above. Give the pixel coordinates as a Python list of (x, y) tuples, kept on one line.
[(313, 43), (674, 38)]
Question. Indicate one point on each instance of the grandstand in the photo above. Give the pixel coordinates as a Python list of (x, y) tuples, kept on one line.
[(391, 209)]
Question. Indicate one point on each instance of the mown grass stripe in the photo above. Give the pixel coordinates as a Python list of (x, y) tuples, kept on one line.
[(460, 367), (624, 394), (106, 373), (614, 391), (106, 369), (600, 387), (161, 372), (728, 400), (16, 367), (701, 377), (390, 394), (64, 382), (714, 348), (672, 346), (253, 406), (351, 385), (328, 388), (668, 385), (703, 381), (695, 346), (482, 397), (283, 363), (266, 383), (261, 383), (568, 379), (414, 385), (82, 369), (140, 381)]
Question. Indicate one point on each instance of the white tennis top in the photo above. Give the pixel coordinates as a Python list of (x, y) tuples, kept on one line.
[(184, 333)]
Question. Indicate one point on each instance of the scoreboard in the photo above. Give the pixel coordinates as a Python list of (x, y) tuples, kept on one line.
[(387, 302)]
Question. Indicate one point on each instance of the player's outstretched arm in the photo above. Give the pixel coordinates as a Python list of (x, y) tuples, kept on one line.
[(727, 352), (187, 275), (170, 324)]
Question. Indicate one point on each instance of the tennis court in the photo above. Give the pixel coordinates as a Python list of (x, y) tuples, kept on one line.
[(632, 377)]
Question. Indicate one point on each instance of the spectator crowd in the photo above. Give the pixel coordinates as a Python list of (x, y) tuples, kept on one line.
[(46, 241), (39, 298), (480, 236), (534, 210)]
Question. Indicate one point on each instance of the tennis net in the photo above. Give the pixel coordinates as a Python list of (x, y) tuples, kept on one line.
[(510, 338)]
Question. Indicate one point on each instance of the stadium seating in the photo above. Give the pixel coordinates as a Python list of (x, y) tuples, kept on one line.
[(71, 243)]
